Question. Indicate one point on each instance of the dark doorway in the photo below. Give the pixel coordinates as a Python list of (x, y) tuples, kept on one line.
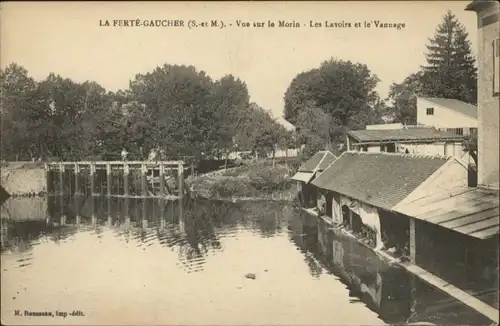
[(390, 148)]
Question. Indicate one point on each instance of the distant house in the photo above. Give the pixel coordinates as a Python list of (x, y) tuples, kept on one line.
[(407, 139), (286, 152), (307, 172), (286, 124), (447, 114)]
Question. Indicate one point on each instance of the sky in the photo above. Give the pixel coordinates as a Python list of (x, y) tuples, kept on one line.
[(67, 38)]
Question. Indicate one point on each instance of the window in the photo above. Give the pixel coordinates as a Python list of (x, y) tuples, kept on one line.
[(496, 67), (459, 131), (430, 111), (473, 131)]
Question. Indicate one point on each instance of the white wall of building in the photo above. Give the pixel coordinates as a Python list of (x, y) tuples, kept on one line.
[(443, 117), (385, 126)]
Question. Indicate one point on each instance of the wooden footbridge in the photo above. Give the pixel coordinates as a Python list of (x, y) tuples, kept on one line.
[(132, 179)]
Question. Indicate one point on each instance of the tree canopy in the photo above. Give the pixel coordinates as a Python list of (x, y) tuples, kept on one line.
[(323, 102), (176, 108)]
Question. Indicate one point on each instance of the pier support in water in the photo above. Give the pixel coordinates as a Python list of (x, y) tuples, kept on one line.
[(108, 179), (125, 179), (180, 169), (413, 242), (162, 178), (77, 179), (144, 186), (47, 181), (92, 179), (61, 179)]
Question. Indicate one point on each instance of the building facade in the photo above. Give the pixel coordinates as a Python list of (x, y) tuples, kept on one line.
[(408, 140), (448, 115), (488, 13)]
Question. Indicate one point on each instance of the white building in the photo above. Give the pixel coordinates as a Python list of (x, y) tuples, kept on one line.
[(447, 114)]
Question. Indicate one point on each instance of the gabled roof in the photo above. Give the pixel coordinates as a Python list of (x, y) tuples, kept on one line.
[(378, 179), (285, 123), (320, 161), (408, 134), (455, 105)]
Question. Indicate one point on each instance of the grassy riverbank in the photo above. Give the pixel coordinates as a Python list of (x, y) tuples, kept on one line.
[(252, 181)]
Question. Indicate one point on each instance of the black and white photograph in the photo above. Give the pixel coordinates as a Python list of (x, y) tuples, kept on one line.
[(250, 162)]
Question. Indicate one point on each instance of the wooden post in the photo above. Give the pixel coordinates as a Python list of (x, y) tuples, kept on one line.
[(92, 179), (162, 179), (162, 214), (108, 179), (61, 205), (61, 178), (144, 214), (413, 243), (47, 181), (125, 179), (76, 206), (110, 219), (126, 208), (77, 179), (144, 187), (351, 219), (192, 169), (181, 179), (92, 207)]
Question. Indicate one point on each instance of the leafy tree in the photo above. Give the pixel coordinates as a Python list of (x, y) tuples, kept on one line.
[(300, 91), (17, 116), (314, 128), (343, 90), (404, 98)]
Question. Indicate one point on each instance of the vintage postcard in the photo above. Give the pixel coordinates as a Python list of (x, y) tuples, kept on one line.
[(249, 163)]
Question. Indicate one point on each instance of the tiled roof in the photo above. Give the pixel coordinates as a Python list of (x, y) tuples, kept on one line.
[(455, 105), (379, 179), (415, 133), (321, 158)]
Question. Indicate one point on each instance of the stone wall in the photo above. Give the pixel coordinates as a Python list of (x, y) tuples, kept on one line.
[(22, 180), (488, 112)]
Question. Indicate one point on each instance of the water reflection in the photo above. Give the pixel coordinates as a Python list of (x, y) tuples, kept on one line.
[(196, 232)]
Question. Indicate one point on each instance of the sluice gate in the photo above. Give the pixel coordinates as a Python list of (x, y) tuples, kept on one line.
[(128, 179)]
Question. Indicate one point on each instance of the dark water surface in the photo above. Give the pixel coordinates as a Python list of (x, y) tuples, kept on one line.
[(156, 262)]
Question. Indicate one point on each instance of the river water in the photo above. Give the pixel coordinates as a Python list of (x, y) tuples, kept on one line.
[(133, 261)]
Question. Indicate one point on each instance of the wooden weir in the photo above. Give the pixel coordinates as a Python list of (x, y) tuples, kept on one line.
[(127, 179)]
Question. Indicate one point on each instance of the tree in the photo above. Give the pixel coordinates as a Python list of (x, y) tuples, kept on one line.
[(299, 92), (343, 90), (19, 119), (404, 98), (314, 129), (450, 71)]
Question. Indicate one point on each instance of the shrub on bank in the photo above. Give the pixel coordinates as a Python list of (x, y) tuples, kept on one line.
[(249, 181)]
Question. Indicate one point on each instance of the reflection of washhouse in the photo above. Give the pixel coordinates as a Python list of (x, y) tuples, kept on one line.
[(384, 289)]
